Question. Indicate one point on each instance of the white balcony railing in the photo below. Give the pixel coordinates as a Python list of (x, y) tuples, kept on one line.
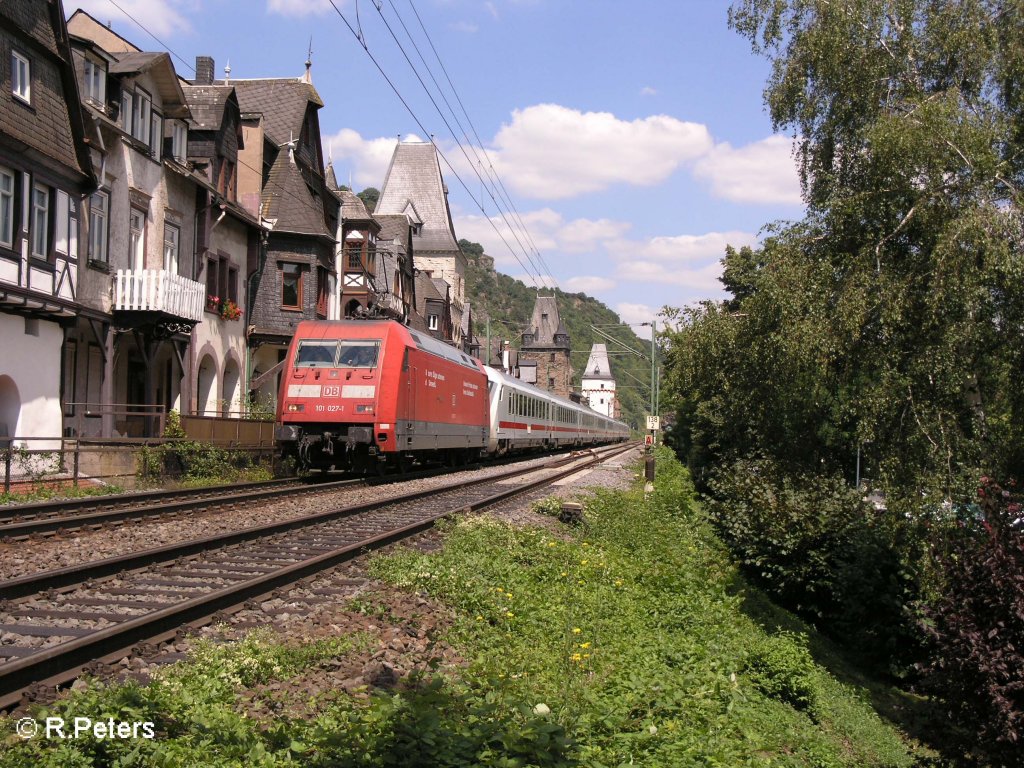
[(157, 290)]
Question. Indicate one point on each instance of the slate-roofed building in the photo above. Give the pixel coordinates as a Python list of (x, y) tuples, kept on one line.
[(396, 295), (433, 305), (45, 173), (143, 270), (228, 237), (357, 251), (598, 384), (281, 178), (546, 346), (414, 186)]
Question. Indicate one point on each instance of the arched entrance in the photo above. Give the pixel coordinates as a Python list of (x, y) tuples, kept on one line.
[(10, 408), (206, 387), (232, 394)]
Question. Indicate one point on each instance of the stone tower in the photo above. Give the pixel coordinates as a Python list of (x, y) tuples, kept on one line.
[(598, 383), (546, 345), (414, 186)]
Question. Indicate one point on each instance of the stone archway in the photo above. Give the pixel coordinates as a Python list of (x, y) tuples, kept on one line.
[(231, 396), (10, 408), (206, 387)]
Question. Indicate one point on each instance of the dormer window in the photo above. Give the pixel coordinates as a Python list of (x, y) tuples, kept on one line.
[(141, 126), (417, 228), (136, 115), (95, 82), (21, 77), (179, 141)]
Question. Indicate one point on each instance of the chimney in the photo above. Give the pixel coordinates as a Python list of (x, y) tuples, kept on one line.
[(204, 70)]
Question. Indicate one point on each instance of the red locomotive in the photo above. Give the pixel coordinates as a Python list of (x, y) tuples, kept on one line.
[(372, 394)]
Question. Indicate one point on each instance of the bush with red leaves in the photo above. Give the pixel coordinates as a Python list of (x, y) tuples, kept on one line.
[(977, 630)]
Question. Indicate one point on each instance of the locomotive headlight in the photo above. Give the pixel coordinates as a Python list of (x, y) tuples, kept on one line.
[(364, 409), (296, 407)]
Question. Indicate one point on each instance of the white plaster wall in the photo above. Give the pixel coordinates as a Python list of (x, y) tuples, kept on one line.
[(592, 391), (224, 339), (33, 362)]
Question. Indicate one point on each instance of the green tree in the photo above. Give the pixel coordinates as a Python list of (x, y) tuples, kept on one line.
[(369, 196), (908, 117), (887, 324)]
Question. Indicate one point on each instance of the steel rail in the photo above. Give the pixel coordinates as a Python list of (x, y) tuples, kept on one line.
[(61, 663), (11, 513), (73, 574), (124, 508)]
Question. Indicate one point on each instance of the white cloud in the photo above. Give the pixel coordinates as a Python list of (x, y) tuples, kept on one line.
[(299, 8), (589, 284), (368, 158), (632, 314), (492, 9), (161, 17), (762, 172), (648, 91), (466, 27), (702, 281), (548, 232), (550, 151), (686, 248)]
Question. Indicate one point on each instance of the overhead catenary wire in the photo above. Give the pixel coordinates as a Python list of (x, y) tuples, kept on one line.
[(479, 141), (476, 155), (536, 273), (405, 103)]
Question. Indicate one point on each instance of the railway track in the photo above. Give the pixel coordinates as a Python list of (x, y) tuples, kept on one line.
[(17, 520), (55, 624), (70, 515)]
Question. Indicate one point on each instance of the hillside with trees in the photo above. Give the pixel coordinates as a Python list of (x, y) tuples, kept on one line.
[(509, 304)]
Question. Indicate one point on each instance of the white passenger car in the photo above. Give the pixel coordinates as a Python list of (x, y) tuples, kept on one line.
[(523, 417)]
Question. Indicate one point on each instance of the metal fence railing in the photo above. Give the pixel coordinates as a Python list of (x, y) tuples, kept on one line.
[(29, 462)]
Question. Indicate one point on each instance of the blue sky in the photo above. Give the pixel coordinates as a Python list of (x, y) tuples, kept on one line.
[(631, 138)]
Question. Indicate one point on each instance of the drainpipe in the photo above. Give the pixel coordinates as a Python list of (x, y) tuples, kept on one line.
[(250, 298)]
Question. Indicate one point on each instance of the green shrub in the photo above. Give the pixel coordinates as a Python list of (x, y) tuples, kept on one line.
[(781, 667), (821, 551), (790, 533)]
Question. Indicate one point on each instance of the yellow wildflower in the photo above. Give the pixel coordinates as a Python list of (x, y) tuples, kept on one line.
[(576, 630), (584, 562), (576, 657), (584, 645), (509, 614)]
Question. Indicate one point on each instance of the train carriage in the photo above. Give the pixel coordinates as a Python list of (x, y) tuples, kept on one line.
[(524, 417), (363, 394)]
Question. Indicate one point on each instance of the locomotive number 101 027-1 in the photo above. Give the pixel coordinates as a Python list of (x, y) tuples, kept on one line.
[(320, 408)]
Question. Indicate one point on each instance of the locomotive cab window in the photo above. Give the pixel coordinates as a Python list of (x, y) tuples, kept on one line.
[(316, 354), (358, 354)]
